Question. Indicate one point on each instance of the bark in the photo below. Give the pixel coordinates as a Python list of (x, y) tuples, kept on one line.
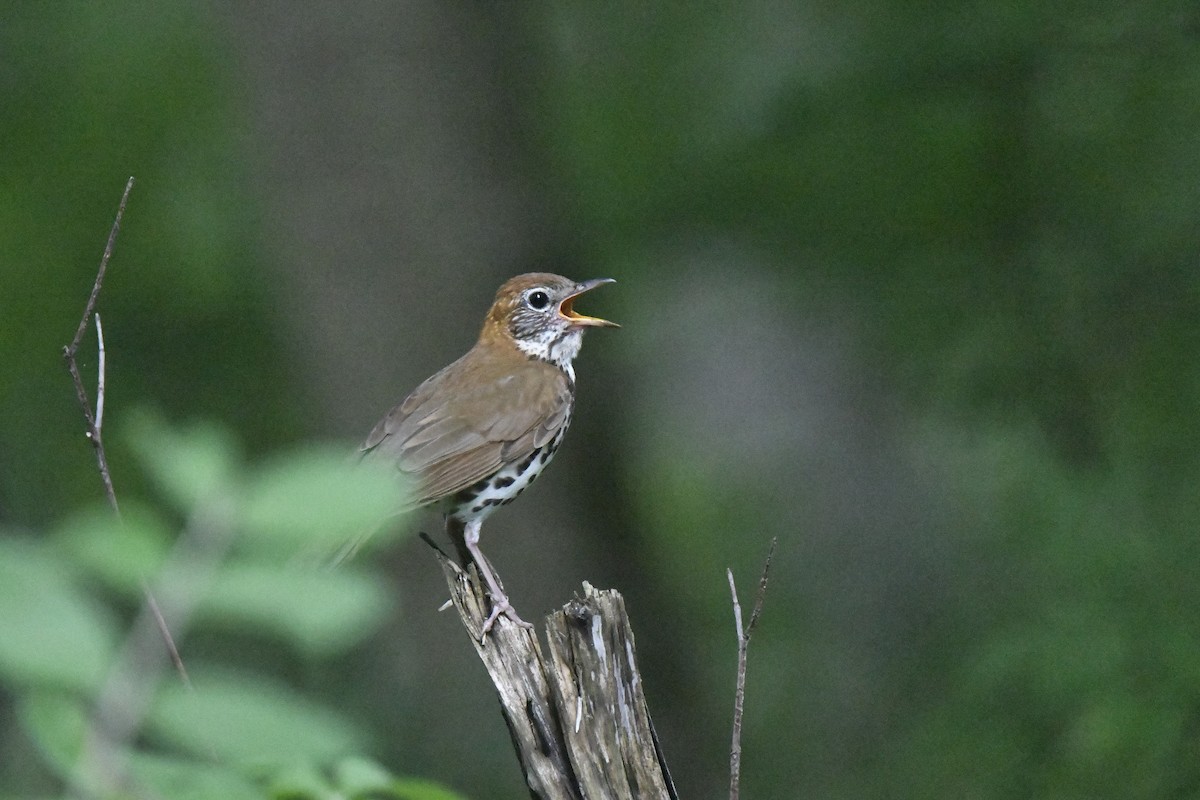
[(576, 710)]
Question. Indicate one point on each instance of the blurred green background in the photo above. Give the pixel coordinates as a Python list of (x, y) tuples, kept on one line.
[(915, 289)]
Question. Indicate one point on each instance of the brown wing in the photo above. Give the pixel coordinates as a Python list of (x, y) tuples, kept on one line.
[(462, 424)]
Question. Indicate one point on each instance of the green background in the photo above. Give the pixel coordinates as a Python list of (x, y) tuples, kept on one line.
[(915, 290)]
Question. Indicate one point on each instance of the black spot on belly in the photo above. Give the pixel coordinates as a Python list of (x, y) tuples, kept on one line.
[(545, 456), (503, 483), (493, 501), (478, 508), (524, 465)]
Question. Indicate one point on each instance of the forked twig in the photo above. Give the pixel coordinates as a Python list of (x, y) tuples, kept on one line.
[(739, 698), (95, 421)]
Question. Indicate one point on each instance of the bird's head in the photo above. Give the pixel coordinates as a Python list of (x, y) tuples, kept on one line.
[(536, 311)]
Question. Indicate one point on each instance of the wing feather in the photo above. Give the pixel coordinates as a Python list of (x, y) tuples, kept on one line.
[(464, 423)]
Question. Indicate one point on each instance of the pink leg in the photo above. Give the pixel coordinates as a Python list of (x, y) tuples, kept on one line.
[(500, 604)]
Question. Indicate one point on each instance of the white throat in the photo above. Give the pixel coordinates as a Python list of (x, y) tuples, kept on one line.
[(559, 348)]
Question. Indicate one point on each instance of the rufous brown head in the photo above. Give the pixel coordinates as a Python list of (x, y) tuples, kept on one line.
[(536, 312)]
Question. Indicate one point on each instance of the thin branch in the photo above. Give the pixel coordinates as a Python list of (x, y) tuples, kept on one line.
[(99, 375), (739, 697), (94, 421), (165, 632), (737, 608), (108, 251), (762, 589)]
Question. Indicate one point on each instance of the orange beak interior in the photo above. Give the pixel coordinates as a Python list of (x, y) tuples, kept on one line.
[(567, 311)]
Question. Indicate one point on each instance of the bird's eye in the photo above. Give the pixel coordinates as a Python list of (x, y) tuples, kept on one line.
[(538, 300)]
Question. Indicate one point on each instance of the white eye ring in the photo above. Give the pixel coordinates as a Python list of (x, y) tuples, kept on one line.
[(537, 299)]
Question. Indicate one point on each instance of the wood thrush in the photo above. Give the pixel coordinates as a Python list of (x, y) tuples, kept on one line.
[(476, 434)]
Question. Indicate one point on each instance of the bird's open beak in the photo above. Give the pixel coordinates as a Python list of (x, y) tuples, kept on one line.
[(568, 313)]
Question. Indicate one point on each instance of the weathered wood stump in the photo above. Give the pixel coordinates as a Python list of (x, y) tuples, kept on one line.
[(578, 719)]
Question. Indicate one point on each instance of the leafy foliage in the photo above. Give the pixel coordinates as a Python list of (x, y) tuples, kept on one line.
[(236, 567)]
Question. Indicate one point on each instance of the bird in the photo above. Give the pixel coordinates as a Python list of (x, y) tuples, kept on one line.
[(475, 435)]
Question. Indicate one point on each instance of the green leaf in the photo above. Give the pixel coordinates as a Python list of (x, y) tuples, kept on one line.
[(362, 778), (316, 496), (420, 789), (56, 723), (356, 775), (320, 611), (121, 553), (188, 464), (249, 720), (302, 782), (51, 632), (180, 779)]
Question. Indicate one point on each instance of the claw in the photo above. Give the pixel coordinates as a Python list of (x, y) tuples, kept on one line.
[(500, 605)]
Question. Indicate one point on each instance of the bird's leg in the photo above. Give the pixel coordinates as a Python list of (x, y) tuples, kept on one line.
[(500, 604)]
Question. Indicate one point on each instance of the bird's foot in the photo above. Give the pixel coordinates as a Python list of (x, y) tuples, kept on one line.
[(500, 605)]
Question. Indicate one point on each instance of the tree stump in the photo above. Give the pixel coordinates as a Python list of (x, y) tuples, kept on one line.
[(578, 719)]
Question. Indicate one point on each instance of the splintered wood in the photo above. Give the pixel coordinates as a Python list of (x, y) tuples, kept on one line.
[(578, 719)]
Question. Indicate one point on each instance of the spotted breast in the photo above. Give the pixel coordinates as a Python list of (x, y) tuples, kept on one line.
[(478, 501)]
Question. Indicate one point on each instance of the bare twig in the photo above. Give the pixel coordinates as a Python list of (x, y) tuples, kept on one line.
[(99, 375), (108, 251), (762, 589), (739, 698), (165, 632), (94, 421), (117, 700)]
